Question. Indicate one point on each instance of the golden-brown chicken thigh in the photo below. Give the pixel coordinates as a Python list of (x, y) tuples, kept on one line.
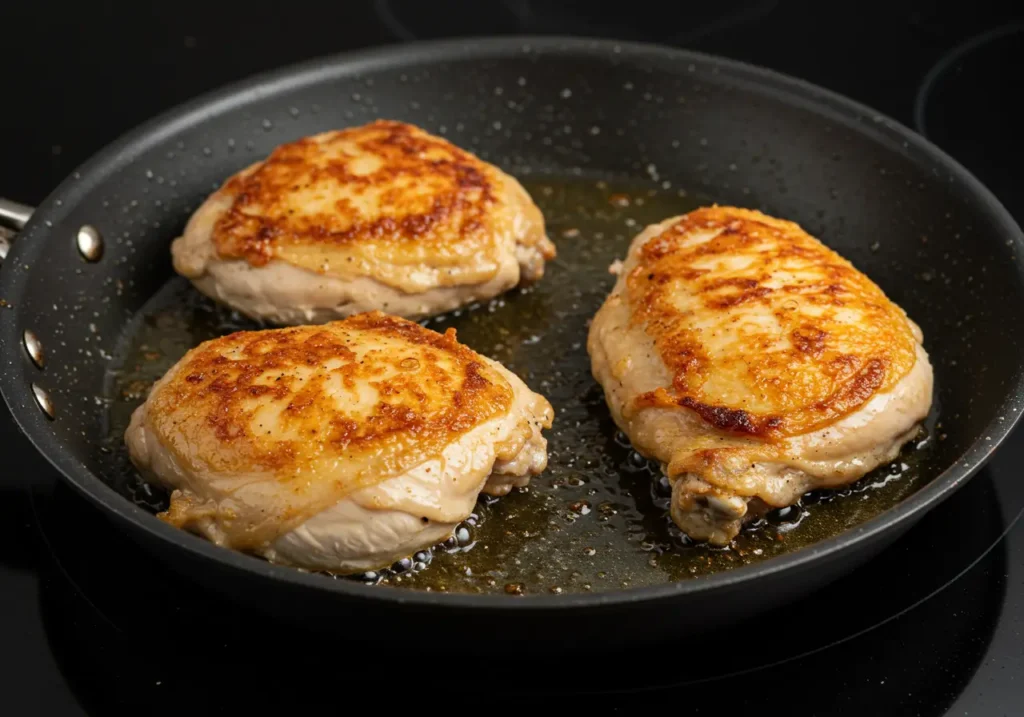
[(755, 364), (340, 447), (379, 217)]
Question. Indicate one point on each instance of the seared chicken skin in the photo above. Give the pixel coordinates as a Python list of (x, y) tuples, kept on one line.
[(755, 364), (379, 217), (340, 447)]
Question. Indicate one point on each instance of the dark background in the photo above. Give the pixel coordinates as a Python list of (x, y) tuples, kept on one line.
[(77, 75)]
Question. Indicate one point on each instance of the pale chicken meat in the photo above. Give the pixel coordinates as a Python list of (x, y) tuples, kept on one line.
[(339, 447), (755, 364), (384, 216)]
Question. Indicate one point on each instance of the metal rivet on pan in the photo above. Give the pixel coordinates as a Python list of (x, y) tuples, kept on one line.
[(43, 399), (90, 243), (34, 347), (5, 243)]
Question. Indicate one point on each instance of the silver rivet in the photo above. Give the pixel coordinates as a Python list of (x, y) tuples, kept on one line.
[(90, 243), (43, 399), (35, 348), (5, 243)]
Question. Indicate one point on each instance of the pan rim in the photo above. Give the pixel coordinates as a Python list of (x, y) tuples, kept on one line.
[(792, 90)]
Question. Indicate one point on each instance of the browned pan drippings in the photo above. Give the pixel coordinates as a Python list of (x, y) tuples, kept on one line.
[(597, 518)]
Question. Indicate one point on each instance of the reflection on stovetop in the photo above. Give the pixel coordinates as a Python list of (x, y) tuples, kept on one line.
[(649, 21), (964, 106), (122, 628)]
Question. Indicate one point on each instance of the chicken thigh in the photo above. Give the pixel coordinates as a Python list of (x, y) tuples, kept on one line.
[(339, 447), (755, 364), (379, 217)]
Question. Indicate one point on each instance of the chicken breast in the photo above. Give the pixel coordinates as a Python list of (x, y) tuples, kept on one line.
[(755, 364), (379, 217), (340, 447)]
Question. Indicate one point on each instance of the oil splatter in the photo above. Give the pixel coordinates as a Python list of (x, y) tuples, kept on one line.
[(597, 519)]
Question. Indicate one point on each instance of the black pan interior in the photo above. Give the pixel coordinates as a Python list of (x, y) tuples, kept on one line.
[(598, 516), (583, 127)]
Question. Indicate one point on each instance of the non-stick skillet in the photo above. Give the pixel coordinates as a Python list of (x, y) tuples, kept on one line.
[(606, 136)]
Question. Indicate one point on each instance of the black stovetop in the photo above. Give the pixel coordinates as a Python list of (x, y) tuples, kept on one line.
[(91, 625)]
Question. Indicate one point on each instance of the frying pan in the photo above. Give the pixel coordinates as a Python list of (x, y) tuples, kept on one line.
[(87, 260)]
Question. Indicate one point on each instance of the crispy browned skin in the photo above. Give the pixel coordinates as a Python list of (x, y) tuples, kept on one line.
[(755, 364), (376, 200), (808, 338), (360, 400), (220, 379)]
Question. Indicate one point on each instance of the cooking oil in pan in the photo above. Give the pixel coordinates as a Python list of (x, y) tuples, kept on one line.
[(597, 518)]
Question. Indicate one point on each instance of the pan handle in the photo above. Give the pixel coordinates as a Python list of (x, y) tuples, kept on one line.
[(14, 215)]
